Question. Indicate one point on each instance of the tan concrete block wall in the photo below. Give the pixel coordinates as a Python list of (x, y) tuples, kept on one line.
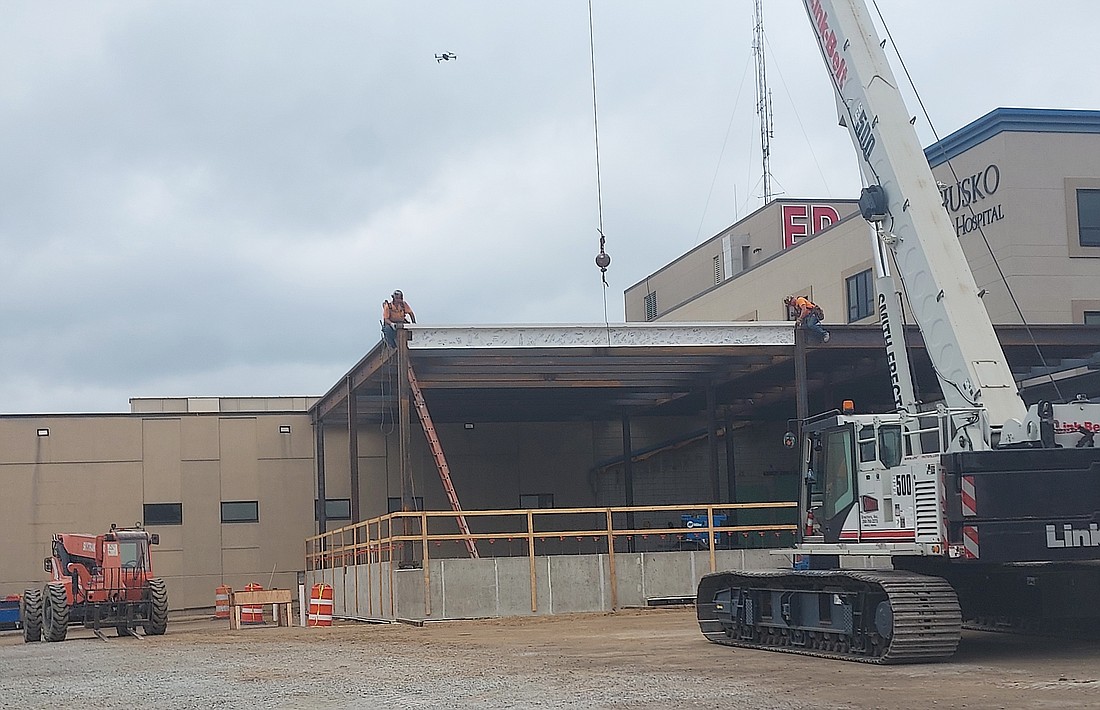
[(94, 470)]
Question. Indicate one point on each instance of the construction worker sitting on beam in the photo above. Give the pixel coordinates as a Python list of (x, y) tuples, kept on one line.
[(395, 311)]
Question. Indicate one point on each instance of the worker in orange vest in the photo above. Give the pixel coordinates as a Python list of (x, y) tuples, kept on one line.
[(395, 311), (807, 314)]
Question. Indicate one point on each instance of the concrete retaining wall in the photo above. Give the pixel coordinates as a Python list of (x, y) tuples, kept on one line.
[(463, 588)]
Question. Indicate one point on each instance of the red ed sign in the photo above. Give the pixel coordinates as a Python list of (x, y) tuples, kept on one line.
[(803, 220)]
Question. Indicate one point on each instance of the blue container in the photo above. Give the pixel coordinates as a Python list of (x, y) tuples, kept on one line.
[(9, 613), (700, 521)]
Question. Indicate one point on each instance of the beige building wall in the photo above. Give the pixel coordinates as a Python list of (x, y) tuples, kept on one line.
[(1027, 209), (730, 254), (94, 470), (812, 268)]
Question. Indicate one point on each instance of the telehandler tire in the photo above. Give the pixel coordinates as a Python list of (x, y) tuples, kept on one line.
[(158, 608), (30, 613), (55, 613)]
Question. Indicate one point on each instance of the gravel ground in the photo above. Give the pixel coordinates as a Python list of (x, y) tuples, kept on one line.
[(631, 659)]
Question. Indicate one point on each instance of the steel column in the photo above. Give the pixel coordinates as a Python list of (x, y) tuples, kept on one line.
[(319, 447), (731, 467), (353, 449), (404, 433), (712, 445), (802, 407), (628, 477)]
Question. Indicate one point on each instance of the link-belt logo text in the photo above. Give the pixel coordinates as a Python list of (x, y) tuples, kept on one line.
[(828, 40), (1070, 536), (1074, 427)]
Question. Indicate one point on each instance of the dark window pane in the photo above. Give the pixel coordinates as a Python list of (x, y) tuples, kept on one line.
[(394, 504), (240, 511), (1088, 217), (861, 294), (163, 513), (536, 500), (338, 509), (1092, 317)]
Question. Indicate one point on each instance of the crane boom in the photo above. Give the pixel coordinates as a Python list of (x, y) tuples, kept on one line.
[(940, 287)]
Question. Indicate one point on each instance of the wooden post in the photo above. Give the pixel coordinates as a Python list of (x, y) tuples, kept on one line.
[(391, 561), (531, 558), (355, 566), (424, 564), (370, 585), (611, 561), (710, 538)]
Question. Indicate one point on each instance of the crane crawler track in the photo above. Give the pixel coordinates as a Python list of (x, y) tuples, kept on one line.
[(880, 616)]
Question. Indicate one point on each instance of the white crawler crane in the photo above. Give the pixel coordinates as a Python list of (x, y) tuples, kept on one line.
[(988, 511)]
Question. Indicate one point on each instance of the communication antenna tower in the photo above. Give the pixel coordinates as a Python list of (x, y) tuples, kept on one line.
[(763, 98)]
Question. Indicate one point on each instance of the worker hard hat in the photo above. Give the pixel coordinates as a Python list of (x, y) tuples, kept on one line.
[(788, 299)]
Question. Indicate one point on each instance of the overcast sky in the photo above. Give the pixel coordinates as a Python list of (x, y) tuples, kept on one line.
[(214, 198)]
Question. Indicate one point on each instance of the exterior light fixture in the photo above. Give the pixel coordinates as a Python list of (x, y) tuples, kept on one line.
[(43, 432), (468, 425), (284, 428)]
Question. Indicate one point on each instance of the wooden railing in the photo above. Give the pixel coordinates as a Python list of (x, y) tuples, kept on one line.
[(410, 539)]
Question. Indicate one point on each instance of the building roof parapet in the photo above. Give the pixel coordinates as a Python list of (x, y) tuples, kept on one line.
[(1019, 120), (212, 405), (425, 337)]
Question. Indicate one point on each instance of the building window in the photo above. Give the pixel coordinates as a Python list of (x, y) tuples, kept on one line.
[(717, 270), (336, 509), (1088, 217), (394, 504), (162, 513), (536, 500), (860, 296), (240, 511), (1092, 317), (651, 305)]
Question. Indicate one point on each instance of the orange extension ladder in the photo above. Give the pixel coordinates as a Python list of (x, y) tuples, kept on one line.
[(440, 460)]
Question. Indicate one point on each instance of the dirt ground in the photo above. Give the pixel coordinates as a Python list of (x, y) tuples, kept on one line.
[(631, 659)]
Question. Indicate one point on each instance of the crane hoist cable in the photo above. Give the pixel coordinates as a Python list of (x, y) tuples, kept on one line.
[(603, 259)]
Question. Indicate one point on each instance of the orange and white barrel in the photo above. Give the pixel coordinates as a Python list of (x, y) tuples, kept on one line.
[(252, 614), (221, 601), (320, 605)]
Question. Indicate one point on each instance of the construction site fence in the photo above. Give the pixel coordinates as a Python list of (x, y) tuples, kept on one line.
[(409, 539)]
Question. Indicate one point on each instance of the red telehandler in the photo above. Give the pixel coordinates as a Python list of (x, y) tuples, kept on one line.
[(98, 581)]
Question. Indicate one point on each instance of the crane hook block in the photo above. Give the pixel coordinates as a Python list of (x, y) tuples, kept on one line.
[(603, 261)]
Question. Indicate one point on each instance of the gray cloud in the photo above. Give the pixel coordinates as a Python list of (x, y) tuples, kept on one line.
[(213, 198)]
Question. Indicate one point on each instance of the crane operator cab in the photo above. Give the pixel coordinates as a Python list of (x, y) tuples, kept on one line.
[(866, 484)]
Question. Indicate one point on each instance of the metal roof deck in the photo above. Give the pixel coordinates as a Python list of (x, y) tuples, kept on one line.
[(597, 372)]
